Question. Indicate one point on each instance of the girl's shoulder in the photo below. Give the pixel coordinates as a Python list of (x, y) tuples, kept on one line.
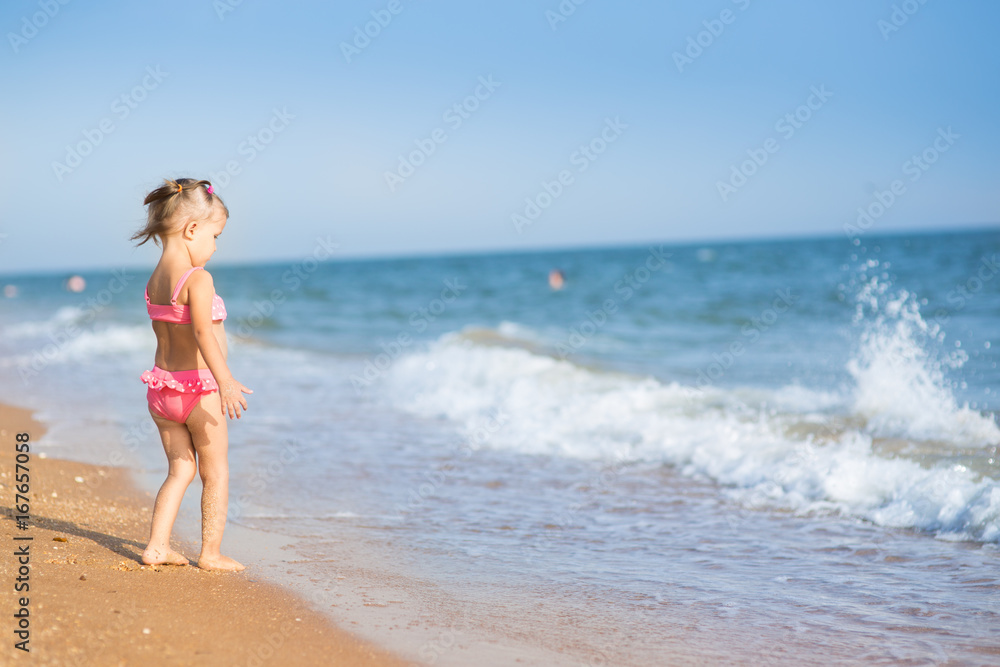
[(200, 275), (199, 280)]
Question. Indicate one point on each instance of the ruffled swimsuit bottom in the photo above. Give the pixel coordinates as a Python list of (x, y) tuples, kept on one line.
[(173, 394)]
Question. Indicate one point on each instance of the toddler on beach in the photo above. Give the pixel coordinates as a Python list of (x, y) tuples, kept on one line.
[(190, 387)]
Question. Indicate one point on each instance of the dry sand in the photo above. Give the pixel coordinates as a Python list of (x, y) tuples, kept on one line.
[(93, 602)]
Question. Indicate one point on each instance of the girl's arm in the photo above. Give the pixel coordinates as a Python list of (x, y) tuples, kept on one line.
[(201, 289)]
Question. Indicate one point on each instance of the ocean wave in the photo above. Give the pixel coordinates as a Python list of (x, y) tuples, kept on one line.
[(798, 452), (80, 345), (64, 317)]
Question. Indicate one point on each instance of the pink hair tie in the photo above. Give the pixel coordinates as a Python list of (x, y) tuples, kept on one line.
[(210, 190)]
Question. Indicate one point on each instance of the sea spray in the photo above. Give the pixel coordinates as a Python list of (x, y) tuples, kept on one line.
[(900, 370)]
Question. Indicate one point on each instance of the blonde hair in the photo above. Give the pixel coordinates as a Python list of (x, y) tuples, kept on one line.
[(182, 196)]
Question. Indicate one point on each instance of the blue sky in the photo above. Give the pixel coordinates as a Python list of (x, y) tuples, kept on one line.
[(264, 66)]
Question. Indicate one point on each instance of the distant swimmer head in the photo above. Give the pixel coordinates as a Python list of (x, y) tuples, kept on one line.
[(76, 284), (188, 211), (557, 279)]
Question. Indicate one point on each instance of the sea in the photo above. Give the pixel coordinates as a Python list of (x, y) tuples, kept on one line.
[(746, 452)]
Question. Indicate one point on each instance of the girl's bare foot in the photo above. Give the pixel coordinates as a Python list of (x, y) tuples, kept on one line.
[(220, 562), (154, 556)]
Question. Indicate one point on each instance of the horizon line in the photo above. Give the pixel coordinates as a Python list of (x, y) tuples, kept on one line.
[(966, 228)]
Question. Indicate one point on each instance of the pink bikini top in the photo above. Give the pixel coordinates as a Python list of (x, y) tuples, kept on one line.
[(182, 314)]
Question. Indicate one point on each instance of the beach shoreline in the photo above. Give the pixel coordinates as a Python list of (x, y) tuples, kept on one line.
[(366, 610), (90, 600), (360, 583)]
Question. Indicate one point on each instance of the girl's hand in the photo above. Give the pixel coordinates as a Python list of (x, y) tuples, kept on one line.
[(231, 393)]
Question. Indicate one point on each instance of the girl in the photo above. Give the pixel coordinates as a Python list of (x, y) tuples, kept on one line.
[(190, 387)]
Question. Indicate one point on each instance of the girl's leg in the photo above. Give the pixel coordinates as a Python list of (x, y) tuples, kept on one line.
[(210, 435), (180, 472)]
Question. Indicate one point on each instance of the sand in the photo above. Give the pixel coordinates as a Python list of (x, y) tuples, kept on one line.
[(93, 602)]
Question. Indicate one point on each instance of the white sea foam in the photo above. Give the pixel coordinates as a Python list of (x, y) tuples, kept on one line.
[(900, 384), (554, 407), (81, 344), (65, 317)]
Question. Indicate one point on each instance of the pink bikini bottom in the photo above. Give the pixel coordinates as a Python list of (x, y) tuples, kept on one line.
[(173, 394)]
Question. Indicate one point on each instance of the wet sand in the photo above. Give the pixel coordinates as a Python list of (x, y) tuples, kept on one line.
[(93, 602)]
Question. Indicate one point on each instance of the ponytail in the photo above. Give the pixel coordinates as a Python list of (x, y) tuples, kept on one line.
[(181, 195)]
